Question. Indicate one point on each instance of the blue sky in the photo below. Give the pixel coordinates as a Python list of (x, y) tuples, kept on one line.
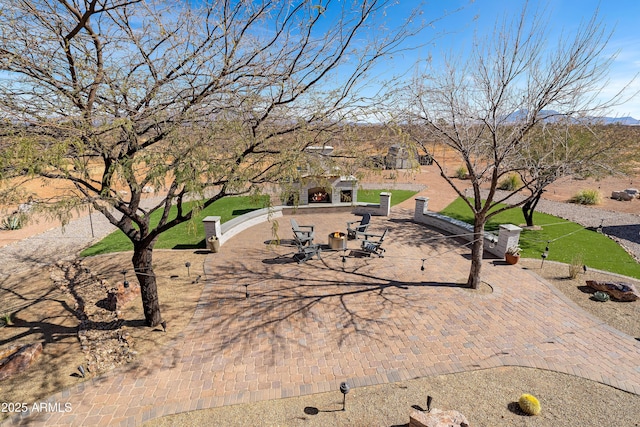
[(620, 16)]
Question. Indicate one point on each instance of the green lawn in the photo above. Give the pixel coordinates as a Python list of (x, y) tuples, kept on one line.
[(567, 240), (188, 235), (373, 196)]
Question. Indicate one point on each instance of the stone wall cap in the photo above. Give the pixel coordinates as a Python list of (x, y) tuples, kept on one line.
[(510, 227)]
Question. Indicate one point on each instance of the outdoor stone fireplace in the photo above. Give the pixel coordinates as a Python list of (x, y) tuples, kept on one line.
[(328, 189)]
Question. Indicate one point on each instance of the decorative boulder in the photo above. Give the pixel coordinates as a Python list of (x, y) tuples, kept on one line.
[(16, 359), (618, 290), (621, 195), (437, 418)]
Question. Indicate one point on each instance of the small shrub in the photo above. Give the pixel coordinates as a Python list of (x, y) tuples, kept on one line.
[(461, 172), (13, 222), (514, 250), (601, 296), (510, 183), (576, 266), (529, 404), (587, 197), (5, 319)]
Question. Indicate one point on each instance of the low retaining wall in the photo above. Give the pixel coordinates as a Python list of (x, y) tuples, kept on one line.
[(383, 209), (509, 235), (224, 232)]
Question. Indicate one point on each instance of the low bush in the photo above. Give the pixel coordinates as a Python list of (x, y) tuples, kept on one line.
[(510, 183), (576, 266), (13, 222), (587, 197), (461, 172)]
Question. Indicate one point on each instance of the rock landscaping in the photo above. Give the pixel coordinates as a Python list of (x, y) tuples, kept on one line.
[(104, 342), (16, 358), (617, 290)]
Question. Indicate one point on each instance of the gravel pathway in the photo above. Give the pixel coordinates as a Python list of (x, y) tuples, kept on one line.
[(54, 245), (57, 244)]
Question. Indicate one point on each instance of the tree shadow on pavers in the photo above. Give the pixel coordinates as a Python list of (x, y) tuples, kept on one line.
[(254, 302), (413, 235), (281, 242), (281, 259)]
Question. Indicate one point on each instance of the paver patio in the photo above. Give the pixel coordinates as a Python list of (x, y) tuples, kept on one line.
[(305, 328)]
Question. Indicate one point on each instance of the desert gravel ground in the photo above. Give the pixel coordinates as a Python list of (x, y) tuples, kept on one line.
[(486, 397)]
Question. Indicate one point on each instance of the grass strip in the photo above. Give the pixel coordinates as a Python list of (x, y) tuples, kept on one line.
[(566, 240)]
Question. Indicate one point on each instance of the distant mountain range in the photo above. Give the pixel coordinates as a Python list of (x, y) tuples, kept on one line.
[(630, 121), (555, 116)]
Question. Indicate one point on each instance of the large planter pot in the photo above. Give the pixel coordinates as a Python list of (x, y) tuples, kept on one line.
[(511, 259), (213, 244)]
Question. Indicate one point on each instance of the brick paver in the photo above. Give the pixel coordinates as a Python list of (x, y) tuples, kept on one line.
[(305, 328)]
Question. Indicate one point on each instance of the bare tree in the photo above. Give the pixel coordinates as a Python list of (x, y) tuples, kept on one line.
[(556, 150), (201, 99), (495, 110)]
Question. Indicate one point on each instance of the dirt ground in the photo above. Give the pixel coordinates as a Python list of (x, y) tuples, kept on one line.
[(51, 316)]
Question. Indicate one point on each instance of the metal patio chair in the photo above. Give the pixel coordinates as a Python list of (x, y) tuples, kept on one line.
[(353, 232)]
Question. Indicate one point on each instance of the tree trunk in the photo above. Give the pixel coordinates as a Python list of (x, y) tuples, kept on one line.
[(477, 248), (529, 208), (142, 262)]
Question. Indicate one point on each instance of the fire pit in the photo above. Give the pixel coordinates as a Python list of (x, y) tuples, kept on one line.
[(338, 240)]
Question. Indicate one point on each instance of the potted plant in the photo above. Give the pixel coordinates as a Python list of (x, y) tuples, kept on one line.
[(512, 255)]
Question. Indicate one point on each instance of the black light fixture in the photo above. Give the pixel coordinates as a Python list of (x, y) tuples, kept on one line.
[(545, 254), (125, 282), (188, 264), (246, 291), (429, 400), (344, 389), (422, 266)]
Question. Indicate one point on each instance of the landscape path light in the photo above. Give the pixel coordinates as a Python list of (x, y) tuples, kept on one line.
[(344, 389)]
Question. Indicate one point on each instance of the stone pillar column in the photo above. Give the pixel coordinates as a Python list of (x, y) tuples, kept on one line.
[(385, 204), (212, 227), (508, 236), (422, 206)]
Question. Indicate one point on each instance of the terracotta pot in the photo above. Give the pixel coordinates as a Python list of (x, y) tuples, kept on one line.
[(511, 259)]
